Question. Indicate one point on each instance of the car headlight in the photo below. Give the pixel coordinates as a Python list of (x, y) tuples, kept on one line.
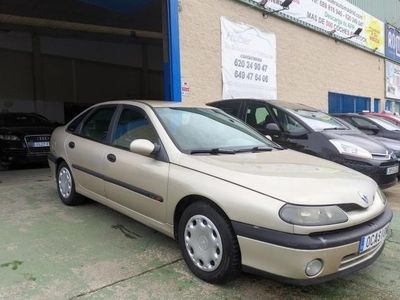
[(8, 137), (312, 215), (350, 149)]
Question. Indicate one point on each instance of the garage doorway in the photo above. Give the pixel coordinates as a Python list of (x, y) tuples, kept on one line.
[(59, 57)]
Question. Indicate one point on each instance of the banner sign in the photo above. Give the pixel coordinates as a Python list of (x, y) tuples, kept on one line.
[(339, 17), (248, 62), (392, 43), (392, 80)]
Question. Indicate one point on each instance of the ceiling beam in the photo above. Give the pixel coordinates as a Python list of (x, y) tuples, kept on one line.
[(79, 27)]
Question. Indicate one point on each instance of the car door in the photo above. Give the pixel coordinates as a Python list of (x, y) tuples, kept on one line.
[(85, 149), (135, 181)]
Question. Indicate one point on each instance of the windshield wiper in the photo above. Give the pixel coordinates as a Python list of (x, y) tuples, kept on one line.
[(334, 128), (213, 151), (255, 149)]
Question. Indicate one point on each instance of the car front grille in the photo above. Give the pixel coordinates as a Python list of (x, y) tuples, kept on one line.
[(388, 164), (356, 258), (32, 142), (382, 156), (397, 153)]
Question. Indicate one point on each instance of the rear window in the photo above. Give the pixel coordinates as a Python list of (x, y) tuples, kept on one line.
[(97, 125), (230, 107), (73, 126)]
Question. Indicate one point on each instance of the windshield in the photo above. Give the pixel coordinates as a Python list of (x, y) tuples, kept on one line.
[(194, 129), (319, 121), (22, 120), (385, 124)]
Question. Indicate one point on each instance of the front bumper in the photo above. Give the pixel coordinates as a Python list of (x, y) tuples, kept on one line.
[(19, 152), (8, 157), (284, 256)]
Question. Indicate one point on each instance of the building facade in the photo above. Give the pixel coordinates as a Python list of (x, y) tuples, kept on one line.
[(313, 67)]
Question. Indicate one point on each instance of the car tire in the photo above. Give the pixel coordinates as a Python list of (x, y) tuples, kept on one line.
[(66, 186), (208, 243)]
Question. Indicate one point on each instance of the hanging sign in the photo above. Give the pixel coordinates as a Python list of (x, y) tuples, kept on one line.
[(248, 61), (337, 16), (392, 50)]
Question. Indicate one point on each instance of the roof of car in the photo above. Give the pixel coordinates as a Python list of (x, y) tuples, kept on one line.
[(280, 103), (347, 114), (155, 103)]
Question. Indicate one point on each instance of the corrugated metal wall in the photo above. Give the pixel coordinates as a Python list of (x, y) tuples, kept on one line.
[(385, 10)]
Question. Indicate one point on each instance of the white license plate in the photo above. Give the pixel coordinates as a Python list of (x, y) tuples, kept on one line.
[(392, 170), (373, 239), (41, 144)]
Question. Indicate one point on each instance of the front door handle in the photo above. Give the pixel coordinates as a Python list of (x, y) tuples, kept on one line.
[(112, 158), (71, 145)]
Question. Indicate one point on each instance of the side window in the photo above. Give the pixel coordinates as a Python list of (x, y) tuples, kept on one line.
[(230, 107), (132, 125), (97, 125), (360, 122), (73, 126), (257, 115), (288, 123)]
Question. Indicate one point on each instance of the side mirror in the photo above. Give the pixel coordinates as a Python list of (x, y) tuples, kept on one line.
[(273, 127), (144, 147)]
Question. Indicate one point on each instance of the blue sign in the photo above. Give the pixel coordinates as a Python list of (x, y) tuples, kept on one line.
[(392, 48)]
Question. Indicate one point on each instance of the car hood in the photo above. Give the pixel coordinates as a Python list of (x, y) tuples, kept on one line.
[(287, 175), (23, 131), (359, 139), (389, 143)]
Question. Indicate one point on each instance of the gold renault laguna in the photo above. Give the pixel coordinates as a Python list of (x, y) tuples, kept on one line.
[(233, 199)]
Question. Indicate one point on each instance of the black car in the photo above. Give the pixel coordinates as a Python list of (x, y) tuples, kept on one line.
[(24, 138), (373, 125), (311, 131)]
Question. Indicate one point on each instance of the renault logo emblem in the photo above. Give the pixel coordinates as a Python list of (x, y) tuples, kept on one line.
[(364, 198)]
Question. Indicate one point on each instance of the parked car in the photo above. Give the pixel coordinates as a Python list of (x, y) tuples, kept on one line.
[(311, 131), (372, 125), (24, 138), (391, 145), (385, 115), (233, 199)]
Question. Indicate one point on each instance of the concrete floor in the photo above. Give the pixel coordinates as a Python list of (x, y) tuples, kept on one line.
[(50, 251)]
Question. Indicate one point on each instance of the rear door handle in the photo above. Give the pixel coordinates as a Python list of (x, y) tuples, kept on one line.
[(112, 158), (71, 145)]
